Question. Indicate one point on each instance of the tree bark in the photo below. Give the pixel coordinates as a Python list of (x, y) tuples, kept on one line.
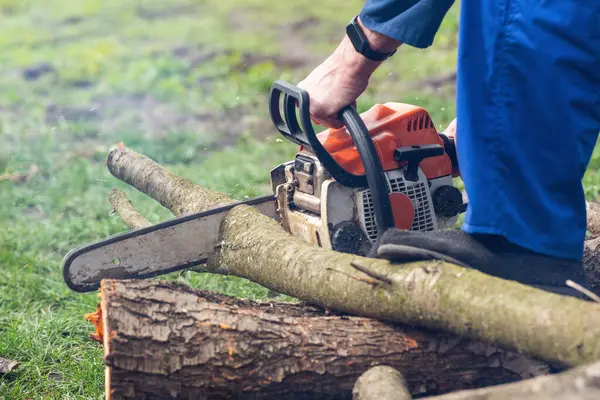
[(175, 193), (593, 217), (434, 295), (580, 383), (127, 212), (381, 383), (166, 340), (591, 259)]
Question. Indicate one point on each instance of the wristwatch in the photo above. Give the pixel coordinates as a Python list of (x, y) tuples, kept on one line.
[(360, 43)]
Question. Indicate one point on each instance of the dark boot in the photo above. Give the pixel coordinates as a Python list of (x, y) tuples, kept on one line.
[(490, 254)]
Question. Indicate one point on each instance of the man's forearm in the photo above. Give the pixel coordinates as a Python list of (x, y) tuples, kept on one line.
[(387, 24), (389, 21)]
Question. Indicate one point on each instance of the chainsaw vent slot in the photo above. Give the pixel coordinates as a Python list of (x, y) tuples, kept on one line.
[(419, 122), (416, 191)]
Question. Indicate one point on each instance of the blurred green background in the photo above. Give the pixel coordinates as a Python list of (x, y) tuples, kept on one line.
[(182, 81)]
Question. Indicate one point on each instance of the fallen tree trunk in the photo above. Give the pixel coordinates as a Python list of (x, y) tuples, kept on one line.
[(435, 295), (165, 340), (580, 383)]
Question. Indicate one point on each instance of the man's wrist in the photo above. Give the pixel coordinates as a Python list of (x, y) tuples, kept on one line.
[(354, 64), (357, 65), (377, 41)]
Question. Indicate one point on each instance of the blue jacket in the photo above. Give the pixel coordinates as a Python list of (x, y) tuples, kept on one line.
[(413, 22)]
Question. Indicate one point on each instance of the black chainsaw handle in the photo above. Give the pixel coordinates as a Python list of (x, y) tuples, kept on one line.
[(302, 133), (376, 177)]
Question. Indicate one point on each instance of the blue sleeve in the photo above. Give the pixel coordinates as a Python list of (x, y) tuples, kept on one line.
[(413, 22)]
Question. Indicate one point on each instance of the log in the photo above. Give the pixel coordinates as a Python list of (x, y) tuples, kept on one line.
[(580, 383), (433, 295), (166, 340), (381, 383)]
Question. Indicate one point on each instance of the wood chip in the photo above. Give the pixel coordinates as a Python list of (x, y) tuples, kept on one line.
[(7, 365)]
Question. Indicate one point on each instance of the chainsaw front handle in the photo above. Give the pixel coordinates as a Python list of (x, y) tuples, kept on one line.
[(301, 132)]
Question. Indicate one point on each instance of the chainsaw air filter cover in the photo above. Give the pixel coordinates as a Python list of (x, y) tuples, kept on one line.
[(394, 128)]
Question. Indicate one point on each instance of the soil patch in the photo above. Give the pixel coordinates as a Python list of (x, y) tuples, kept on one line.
[(151, 119), (56, 113), (36, 71), (166, 12), (196, 56), (292, 37)]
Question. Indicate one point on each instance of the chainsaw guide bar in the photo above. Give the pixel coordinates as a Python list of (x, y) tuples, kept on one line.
[(166, 247)]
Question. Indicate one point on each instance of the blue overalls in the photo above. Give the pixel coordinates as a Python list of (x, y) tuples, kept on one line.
[(528, 110)]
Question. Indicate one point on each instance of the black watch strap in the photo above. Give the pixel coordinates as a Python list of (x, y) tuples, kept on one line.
[(360, 43)]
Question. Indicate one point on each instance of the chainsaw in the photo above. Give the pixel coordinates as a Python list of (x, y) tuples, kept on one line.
[(387, 167)]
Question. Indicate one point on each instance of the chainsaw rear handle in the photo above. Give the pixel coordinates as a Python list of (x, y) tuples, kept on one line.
[(376, 177), (302, 133)]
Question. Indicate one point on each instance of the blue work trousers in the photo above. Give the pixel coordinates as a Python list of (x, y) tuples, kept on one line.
[(528, 109), (528, 117)]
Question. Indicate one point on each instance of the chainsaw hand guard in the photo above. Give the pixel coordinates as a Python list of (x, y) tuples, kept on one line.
[(302, 133)]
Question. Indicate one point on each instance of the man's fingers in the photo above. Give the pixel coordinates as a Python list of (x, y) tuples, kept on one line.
[(328, 122)]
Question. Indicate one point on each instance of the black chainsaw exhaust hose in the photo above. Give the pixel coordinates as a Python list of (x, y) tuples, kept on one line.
[(376, 178)]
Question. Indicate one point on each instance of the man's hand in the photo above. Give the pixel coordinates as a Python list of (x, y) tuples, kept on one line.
[(451, 133), (451, 129), (342, 78)]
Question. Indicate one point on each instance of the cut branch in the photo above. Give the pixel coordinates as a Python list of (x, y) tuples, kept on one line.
[(177, 194), (166, 340), (129, 215), (581, 383), (435, 295), (381, 383)]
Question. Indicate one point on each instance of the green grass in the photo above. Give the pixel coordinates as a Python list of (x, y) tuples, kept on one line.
[(184, 82)]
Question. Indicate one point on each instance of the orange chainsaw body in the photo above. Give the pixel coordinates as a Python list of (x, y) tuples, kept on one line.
[(391, 125)]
